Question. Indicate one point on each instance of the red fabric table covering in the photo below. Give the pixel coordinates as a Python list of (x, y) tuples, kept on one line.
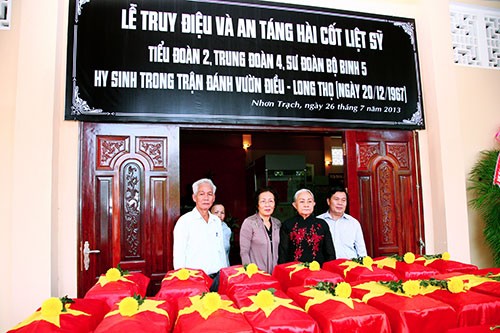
[(296, 274), (353, 272), (475, 329), (491, 270), (409, 314), (405, 271), (284, 316), (333, 315), (477, 283), (157, 318), (235, 280), (82, 316), (447, 266), (173, 286), (472, 308), (228, 319), (113, 292)]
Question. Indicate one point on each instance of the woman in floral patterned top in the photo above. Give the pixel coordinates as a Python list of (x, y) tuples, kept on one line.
[(305, 237)]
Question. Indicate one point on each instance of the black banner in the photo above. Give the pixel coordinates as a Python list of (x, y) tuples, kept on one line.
[(230, 62)]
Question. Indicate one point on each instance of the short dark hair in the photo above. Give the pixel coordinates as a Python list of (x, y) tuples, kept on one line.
[(262, 190), (336, 189)]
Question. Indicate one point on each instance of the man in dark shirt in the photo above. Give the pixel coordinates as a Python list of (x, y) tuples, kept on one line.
[(304, 237)]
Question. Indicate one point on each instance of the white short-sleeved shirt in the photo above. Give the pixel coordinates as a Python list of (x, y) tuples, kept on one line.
[(199, 244)]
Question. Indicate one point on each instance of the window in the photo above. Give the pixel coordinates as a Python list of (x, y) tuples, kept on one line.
[(337, 156)]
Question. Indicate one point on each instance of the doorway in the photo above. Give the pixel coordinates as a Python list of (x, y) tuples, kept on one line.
[(239, 162)]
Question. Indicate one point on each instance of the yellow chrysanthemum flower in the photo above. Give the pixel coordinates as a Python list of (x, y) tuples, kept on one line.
[(264, 299), (409, 258), (183, 274), (128, 306), (252, 269), (211, 301), (314, 266), (411, 287), (367, 261), (445, 256), (51, 307), (113, 274), (455, 285), (343, 289)]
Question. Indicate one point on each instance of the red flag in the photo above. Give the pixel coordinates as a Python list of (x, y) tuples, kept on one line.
[(496, 176)]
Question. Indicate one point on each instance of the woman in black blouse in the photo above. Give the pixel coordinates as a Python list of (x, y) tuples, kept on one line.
[(304, 237)]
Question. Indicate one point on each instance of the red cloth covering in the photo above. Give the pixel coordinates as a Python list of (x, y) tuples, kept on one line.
[(333, 315), (226, 319), (472, 308), (477, 283), (405, 271), (353, 272), (294, 274), (408, 314), (114, 292), (235, 280), (283, 316), (475, 329), (447, 266), (154, 316), (82, 316), (173, 286), (491, 270)]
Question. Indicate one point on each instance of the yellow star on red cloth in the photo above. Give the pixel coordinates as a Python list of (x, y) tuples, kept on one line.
[(147, 305), (278, 301), (386, 262), (318, 297), (183, 274), (375, 289), (352, 264), (55, 319), (296, 268), (197, 305), (103, 280), (241, 270)]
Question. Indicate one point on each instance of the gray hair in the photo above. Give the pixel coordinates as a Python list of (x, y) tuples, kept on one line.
[(197, 184), (302, 190)]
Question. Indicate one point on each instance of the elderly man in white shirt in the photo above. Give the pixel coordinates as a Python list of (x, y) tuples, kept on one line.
[(346, 231), (198, 237)]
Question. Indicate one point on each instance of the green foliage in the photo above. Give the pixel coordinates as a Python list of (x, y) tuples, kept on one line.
[(65, 300), (487, 199)]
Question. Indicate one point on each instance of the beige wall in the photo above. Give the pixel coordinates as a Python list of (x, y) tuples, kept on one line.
[(38, 211)]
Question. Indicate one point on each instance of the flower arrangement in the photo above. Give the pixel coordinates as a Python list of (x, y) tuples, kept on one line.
[(183, 274), (55, 306), (114, 274), (444, 256), (366, 261), (211, 301), (408, 257), (265, 298), (313, 265), (413, 287), (341, 289), (485, 200), (251, 269), (129, 306)]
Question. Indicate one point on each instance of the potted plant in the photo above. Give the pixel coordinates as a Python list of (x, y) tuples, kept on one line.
[(485, 185)]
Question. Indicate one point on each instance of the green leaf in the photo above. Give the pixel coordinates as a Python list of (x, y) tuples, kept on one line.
[(486, 199)]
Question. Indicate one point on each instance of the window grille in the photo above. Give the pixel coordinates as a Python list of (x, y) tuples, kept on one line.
[(475, 36)]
